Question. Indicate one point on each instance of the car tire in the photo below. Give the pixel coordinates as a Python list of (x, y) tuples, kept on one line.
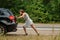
[(3, 30)]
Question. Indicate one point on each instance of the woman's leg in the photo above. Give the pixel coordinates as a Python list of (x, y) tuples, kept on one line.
[(25, 30), (34, 29)]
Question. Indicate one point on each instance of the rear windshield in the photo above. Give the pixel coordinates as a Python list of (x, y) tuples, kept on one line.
[(7, 12)]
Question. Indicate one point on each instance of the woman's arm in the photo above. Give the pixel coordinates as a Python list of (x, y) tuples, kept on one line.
[(21, 16)]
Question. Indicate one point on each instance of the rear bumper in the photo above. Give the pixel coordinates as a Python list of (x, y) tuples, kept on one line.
[(12, 27), (9, 26)]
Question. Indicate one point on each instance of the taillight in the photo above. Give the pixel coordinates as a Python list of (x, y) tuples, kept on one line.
[(11, 17)]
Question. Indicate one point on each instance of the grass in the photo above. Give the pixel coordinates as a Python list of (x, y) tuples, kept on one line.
[(31, 37)]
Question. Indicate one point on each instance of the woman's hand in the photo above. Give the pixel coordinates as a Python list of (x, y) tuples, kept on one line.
[(18, 17)]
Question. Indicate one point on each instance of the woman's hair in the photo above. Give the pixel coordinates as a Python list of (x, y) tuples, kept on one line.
[(21, 10)]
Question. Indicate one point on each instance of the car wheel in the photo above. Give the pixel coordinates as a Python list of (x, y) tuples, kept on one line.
[(2, 30)]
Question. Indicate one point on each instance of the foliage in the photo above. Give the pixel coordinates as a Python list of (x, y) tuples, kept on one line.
[(43, 11)]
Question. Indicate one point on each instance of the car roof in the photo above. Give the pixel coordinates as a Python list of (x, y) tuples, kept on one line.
[(2, 9)]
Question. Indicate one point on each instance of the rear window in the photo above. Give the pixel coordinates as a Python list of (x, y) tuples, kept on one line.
[(7, 12)]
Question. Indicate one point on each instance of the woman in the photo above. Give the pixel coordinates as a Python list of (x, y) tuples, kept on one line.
[(28, 21)]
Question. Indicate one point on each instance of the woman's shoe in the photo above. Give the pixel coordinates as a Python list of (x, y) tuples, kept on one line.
[(38, 34), (26, 34)]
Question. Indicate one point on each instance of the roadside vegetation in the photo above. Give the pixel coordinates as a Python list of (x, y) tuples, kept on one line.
[(30, 37), (41, 11)]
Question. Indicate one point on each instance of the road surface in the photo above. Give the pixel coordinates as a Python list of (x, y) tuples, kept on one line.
[(43, 29)]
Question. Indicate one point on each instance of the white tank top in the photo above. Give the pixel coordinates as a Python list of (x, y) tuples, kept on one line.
[(26, 17)]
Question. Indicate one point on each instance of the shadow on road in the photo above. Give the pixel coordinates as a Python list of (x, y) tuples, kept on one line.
[(15, 35)]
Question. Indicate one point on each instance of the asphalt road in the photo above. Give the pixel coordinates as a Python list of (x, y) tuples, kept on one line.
[(43, 29), (42, 25)]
